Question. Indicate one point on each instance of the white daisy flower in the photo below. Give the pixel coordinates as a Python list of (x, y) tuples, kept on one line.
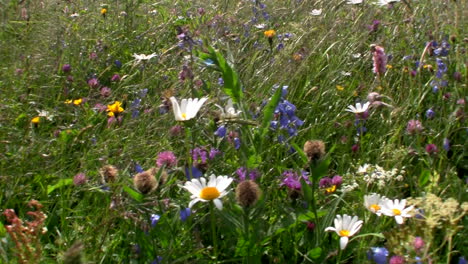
[(363, 169), (229, 112), (215, 190), (141, 57), (345, 226), (359, 109), (373, 203), (354, 2), (260, 26), (188, 108), (397, 209), (316, 12), (386, 2)]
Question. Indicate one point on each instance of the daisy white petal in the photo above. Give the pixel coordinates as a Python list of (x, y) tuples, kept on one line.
[(218, 204), (215, 190), (343, 242)]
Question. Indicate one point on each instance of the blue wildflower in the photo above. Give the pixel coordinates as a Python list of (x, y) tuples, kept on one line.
[(154, 219), (462, 260), (237, 143), (221, 131), (430, 113), (446, 144), (378, 255), (196, 173), (184, 214)]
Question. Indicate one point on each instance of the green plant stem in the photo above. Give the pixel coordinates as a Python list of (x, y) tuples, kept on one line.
[(339, 256), (246, 231), (188, 143), (213, 231)]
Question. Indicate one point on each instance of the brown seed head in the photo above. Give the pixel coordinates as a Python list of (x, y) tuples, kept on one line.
[(247, 193), (314, 149), (109, 173), (74, 254), (145, 182)]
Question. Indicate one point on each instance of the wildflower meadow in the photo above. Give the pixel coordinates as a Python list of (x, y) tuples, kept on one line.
[(233, 131)]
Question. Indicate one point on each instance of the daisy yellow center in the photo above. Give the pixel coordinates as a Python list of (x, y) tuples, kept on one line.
[(396, 212), (209, 193), (184, 115), (374, 207), (344, 233)]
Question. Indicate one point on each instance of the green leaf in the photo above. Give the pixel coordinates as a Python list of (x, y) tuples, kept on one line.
[(2, 230), (59, 184), (300, 152), (315, 253), (307, 190), (134, 194), (424, 177), (232, 85), (321, 169)]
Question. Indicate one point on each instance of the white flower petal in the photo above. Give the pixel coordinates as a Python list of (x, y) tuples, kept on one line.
[(399, 219), (176, 108), (218, 204), (223, 183), (343, 242), (194, 201)]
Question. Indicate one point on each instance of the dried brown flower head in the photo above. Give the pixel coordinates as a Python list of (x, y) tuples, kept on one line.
[(314, 149), (109, 173), (145, 181), (247, 193), (74, 254)]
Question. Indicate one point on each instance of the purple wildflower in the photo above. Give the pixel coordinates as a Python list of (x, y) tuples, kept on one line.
[(293, 181), (213, 153), (325, 182), (66, 68), (79, 179), (418, 243), (93, 82), (115, 78), (380, 59), (105, 91), (414, 127), (397, 260), (337, 180), (431, 149), (199, 155), (176, 130), (166, 158)]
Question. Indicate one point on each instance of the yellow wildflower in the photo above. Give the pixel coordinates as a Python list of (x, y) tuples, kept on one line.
[(77, 101), (389, 66), (297, 57), (339, 88), (103, 11), (69, 101), (36, 120), (270, 33), (114, 108)]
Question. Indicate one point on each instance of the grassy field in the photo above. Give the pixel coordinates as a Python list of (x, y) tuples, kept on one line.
[(328, 131)]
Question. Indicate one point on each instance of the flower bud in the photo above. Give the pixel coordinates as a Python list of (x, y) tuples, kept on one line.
[(247, 193), (145, 182), (314, 149)]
